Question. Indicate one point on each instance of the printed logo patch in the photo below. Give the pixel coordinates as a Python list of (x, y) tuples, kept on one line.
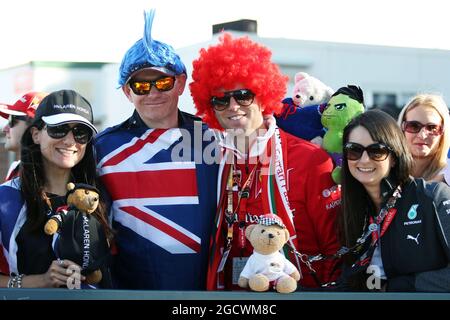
[(416, 238), (412, 213), (326, 193), (446, 203), (334, 192)]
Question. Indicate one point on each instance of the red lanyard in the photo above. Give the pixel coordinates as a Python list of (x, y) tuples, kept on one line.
[(386, 215), (387, 221), (237, 214)]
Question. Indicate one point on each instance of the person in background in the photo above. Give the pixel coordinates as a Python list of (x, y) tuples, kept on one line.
[(236, 88), (56, 149), (425, 121), (19, 115), (162, 206), (397, 227)]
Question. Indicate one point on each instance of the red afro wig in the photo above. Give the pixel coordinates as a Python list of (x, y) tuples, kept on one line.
[(231, 62)]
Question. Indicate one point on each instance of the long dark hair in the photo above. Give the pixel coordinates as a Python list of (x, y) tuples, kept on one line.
[(356, 204), (355, 200), (33, 179)]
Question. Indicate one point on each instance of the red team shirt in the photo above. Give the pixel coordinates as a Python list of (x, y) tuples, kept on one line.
[(314, 199)]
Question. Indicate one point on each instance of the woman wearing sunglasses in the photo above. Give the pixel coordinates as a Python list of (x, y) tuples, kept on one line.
[(396, 228), (236, 89), (425, 121), (56, 149)]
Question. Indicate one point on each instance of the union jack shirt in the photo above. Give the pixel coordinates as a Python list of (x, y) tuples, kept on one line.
[(12, 217), (162, 203)]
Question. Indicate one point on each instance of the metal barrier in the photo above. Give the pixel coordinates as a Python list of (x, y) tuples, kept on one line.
[(64, 294)]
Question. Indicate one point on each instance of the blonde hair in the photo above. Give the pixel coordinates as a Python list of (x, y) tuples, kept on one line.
[(439, 161)]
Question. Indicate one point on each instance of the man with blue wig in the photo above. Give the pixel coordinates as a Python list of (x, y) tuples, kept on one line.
[(162, 207)]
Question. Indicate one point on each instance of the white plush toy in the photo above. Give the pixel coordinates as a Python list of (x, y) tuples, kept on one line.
[(301, 113), (309, 91)]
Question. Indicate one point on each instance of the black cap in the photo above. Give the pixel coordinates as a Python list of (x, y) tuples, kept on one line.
[(65, 106)]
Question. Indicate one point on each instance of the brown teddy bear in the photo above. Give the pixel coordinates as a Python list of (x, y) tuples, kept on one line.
[(81, 236), (267, 266)]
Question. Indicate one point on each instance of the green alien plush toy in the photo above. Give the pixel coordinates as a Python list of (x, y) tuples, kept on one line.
[(345, 104)]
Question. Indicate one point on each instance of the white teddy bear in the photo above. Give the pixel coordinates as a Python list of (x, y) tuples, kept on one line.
[(268, 267), (310, 91)]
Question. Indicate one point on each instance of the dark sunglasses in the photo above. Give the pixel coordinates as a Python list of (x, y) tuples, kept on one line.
[(243, 97), (143, 87), (377, 151), (416, 126), (81, 134), (13, 120)]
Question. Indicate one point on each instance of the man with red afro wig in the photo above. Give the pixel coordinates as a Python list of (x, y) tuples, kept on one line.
[(222, 66), (236, 89)]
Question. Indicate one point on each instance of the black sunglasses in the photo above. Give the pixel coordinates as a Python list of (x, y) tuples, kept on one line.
[(81, 133), (416, 126), (143, 87), (243, 97), (377, 151), (13, 120)]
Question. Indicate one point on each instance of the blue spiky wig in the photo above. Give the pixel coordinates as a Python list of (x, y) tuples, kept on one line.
[(149, 53)]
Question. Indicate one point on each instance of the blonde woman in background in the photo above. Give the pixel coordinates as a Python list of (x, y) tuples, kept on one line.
[(425, 122)]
